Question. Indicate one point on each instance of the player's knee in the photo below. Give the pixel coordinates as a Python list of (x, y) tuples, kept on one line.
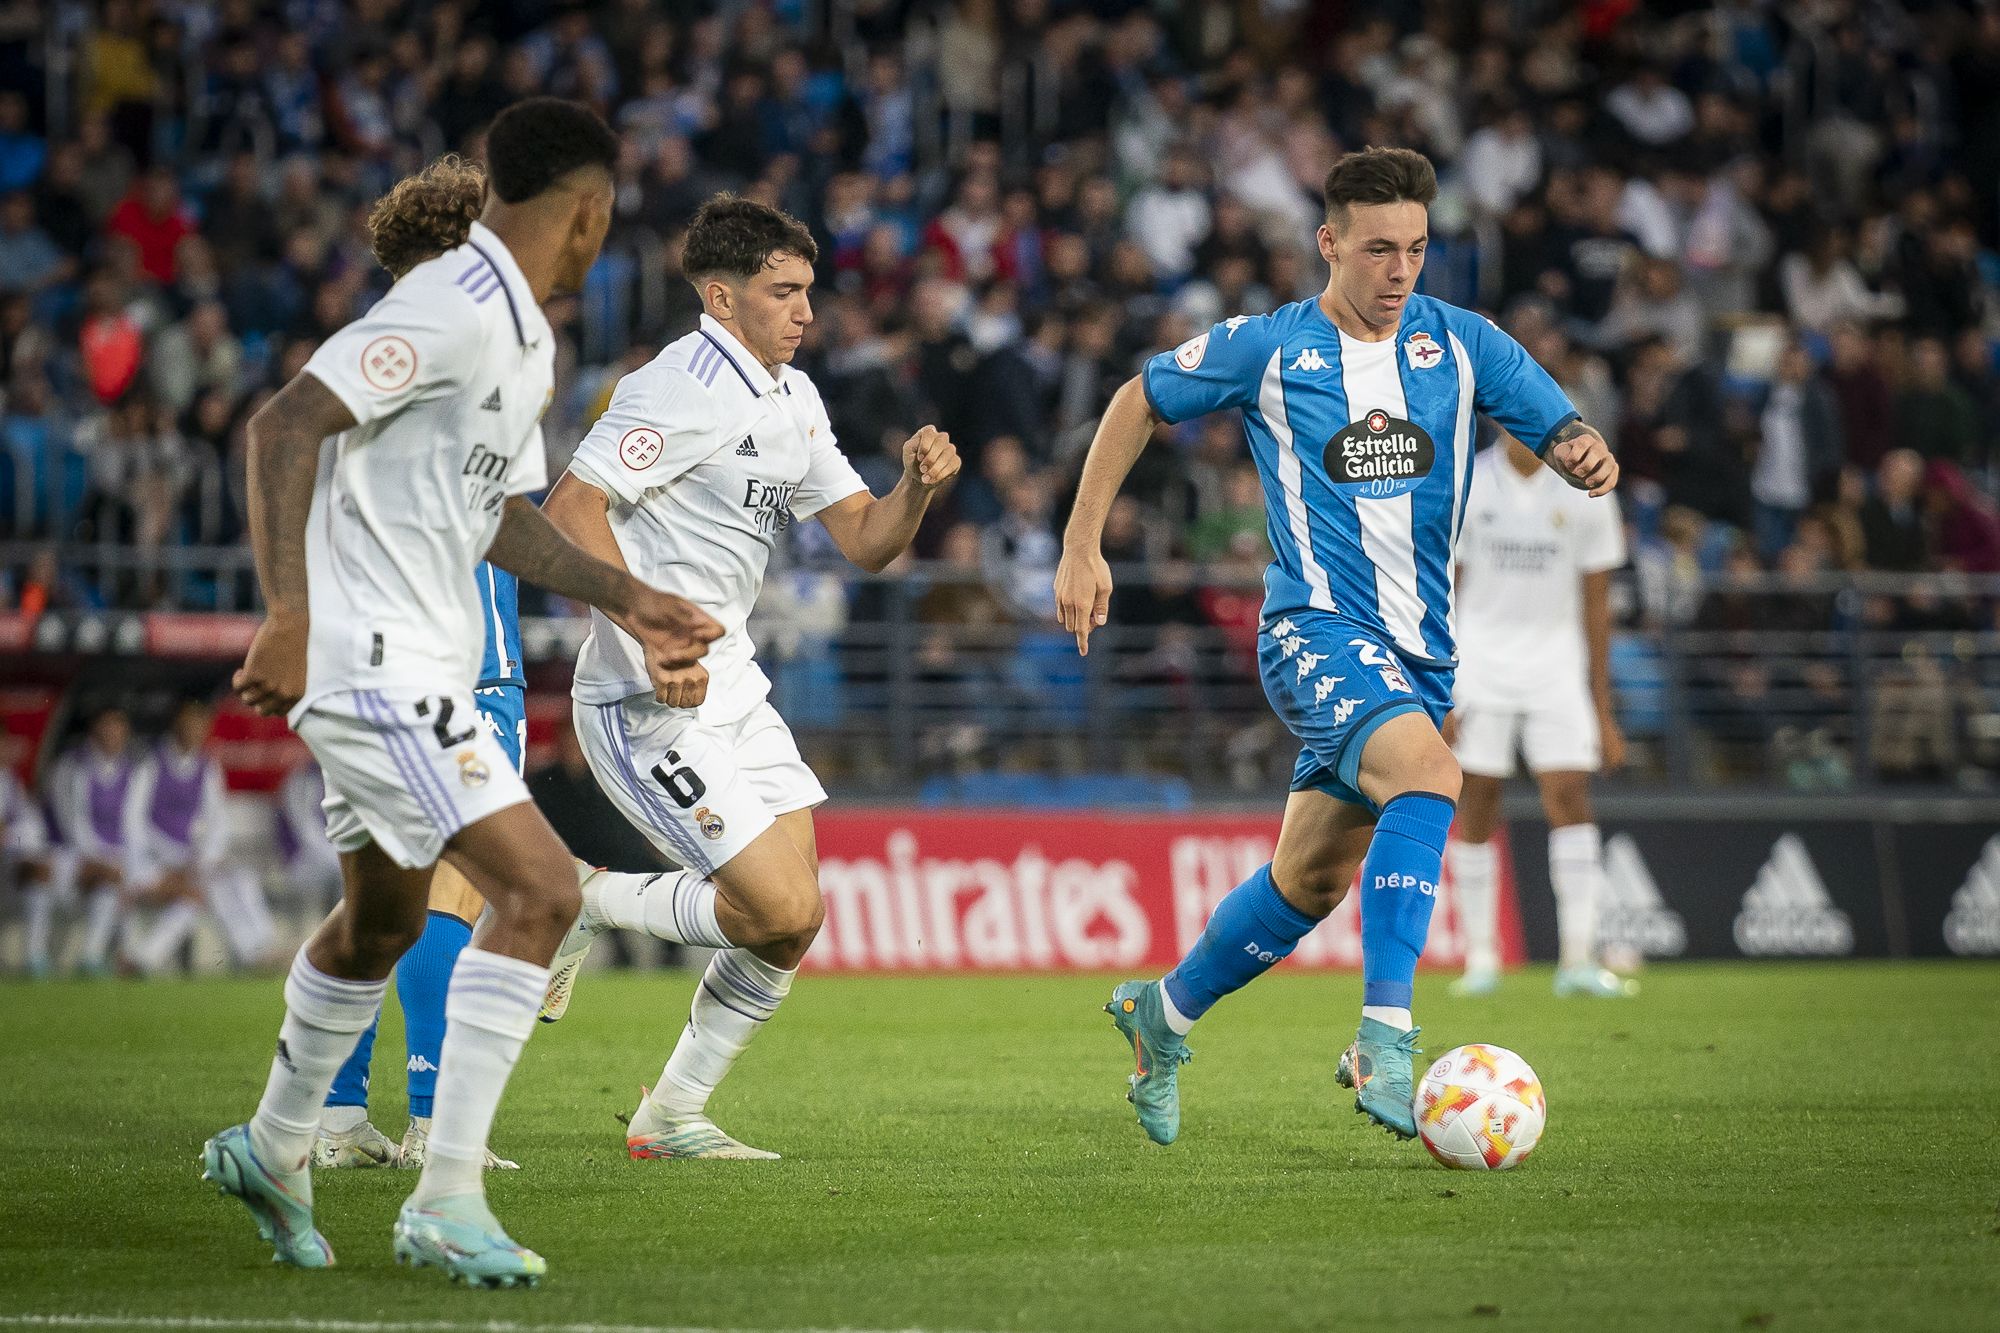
[(1314, 889)]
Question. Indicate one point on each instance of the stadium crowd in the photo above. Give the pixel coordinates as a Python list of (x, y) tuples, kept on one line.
[(1756, 242)]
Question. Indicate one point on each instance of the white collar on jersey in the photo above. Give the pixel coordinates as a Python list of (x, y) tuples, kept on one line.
[(513, 283), (759, 380)]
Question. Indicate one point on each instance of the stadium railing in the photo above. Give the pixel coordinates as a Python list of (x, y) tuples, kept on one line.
[(1843, 682)]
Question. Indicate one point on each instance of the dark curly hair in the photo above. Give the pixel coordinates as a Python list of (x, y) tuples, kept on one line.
[(538, 141), (427, 214), (1379, 176), (736, 238)]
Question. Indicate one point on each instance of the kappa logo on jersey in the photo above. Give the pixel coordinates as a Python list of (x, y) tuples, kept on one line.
[(638, 447), (1789, 911), (1323, 689), (1309, 359), (1423, 350), (1385, 455), (1344, 710), (1308, 663), (1292, 644), (1189, 354), (1233, 323), (420, 1065), (389, 363), (1973, 924), (492, 403), (1283, 629), (747, 449), (1633, 914)]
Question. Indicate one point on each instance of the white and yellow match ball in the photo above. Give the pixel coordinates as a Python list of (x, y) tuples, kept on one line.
[(1481, 1108)]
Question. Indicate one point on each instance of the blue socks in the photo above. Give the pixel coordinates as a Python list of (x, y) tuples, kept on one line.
[(350, 1085), (422, 979), (1252, 928), (1399, 882)]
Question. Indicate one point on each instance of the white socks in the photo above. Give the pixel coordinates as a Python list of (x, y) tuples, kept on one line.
[(489, 1012), (237, 902), (1398, 1019), (1576, 869), (1179, 1022), (324, 1017), (342, 1119), (676, 905), (1475, 879), (738, 994), (38, 906), (152, 950), (102, 926)]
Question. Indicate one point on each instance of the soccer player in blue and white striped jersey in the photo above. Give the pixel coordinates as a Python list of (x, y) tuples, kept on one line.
[(1359, 407)]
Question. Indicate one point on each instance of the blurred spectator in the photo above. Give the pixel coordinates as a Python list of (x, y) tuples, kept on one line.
[(1867, 419), (29, 260), (197, 353), (1966, 522), (153, 218), (1892, 520), (1823, 288), (1933, 414), (1798, 450)]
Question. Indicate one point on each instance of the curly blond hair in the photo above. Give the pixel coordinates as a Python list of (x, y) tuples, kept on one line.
[(427, 214)]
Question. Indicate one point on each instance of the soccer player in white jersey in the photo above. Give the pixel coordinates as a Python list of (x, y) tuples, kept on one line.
[(1358, 406), (704, 456), (1534, 645), (378, 478)]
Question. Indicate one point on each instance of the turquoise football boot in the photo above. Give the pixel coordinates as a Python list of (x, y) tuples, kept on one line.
[(1593, 982), (1377, 1067), (461, 1236), (1158, 1052), (283, 1218)]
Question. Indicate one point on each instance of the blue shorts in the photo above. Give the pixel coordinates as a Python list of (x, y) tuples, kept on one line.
[(1333, 682), (504, 708)]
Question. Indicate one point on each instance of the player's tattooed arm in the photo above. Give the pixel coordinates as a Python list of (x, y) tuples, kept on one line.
[(1083, 579), (873, 530), (283, 463), (1581, 457), (674, 631)]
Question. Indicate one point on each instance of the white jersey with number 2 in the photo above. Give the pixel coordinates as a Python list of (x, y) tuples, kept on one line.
[(1527, 543), (447, 377)]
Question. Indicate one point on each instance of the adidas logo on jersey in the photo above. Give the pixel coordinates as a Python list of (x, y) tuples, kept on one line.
[(1309, 359), (1973, 924), (1632, 914), (492, 403), (747, 449), (1789, 911)]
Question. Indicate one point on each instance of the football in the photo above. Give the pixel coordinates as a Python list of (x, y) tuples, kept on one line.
[(1481, 1108)]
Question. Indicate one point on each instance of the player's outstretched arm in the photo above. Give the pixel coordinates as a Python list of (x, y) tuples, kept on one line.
[(1580, 457), (873, 530), (673, 631), (1083, 579), (283, 463)]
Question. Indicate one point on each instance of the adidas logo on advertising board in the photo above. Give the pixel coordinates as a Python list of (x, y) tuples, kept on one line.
[(1632, 913), (1789, 911), (1973, 925)]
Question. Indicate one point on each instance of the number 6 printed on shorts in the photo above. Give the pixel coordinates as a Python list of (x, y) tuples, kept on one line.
[(683, 784)]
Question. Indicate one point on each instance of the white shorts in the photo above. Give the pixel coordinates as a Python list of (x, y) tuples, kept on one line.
[(700, 793), (1557, 735), (406, 769)]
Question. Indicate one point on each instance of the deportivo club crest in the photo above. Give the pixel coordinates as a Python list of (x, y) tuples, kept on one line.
[(1423, 350), (709, 823)]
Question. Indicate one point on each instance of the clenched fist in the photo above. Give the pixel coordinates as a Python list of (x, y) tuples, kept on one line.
[(930, 459)]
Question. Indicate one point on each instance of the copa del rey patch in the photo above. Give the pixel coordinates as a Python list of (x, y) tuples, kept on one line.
[(1189, 354), (1423, 350)]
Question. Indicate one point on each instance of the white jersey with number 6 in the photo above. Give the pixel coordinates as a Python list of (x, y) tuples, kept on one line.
[(706, 457), (447, 377), (1527, 543)]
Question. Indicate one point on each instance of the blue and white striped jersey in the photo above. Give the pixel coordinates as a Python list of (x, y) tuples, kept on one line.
[(500, 608), (1365, 449)]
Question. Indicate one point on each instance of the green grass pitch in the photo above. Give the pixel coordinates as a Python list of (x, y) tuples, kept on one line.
[(1782, 1146)]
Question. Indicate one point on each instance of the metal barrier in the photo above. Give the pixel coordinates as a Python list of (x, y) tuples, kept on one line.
[(1836, 683)]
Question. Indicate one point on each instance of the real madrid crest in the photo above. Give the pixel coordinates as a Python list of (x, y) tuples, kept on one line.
[(709, 823), (472, 770)]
